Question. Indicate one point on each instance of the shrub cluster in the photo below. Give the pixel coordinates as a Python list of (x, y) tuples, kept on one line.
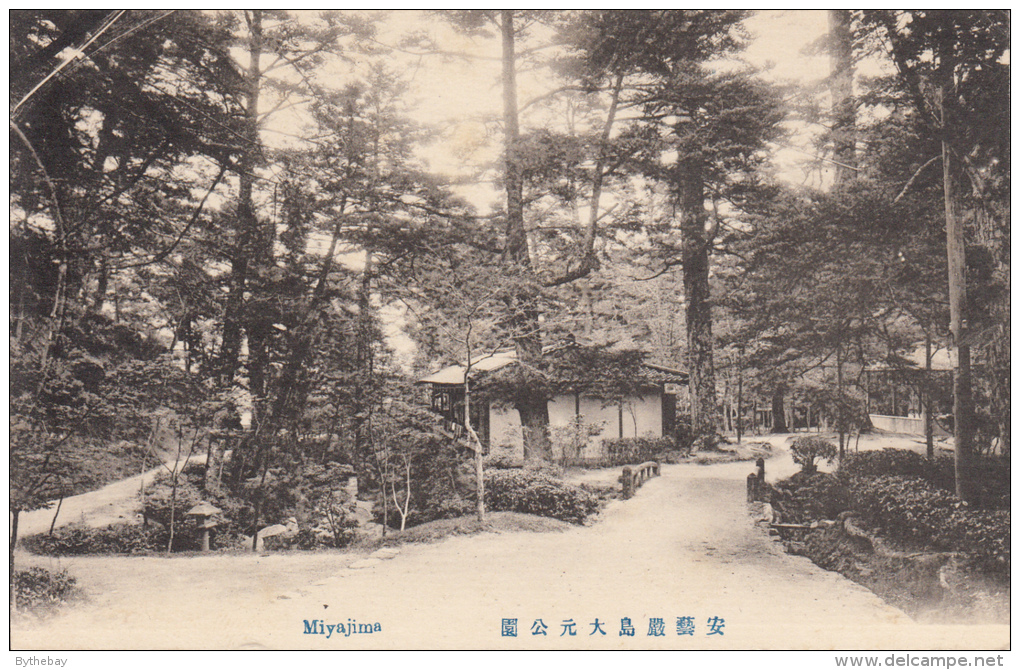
[(116, 539), (234, 520), (912, 508), (906, 507), (907, 497), (806, 497), (634, 450), (501, 457), (531, 492), (41, 591), (982, 533), (807, 450), (992, 476), (884, 462)]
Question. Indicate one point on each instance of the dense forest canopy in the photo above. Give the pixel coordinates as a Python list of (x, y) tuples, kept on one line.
[(257, 223)]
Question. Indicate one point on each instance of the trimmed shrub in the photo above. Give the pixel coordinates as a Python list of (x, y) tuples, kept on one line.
[(991, 475), (806, 451), (905, 507), (804, 498), (533, 492), (982, 533), (912, 508), (887, 461), (634, 450), (234, 520), (683, 433), (116, 539), (501, 458), (40, 591)]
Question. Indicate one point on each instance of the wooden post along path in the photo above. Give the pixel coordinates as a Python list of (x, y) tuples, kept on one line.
[(633, 478)]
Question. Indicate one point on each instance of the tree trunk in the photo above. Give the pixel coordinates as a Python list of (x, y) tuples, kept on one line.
[(173, 512), (740, 395), (516, 236), (532, 405), (929, 438), (840, 414), (102, 286), (214, 462), (53, 523), (963, 400), (778, 412), (15, 513), (844, 110), (247, 223), (479, 460), (363, 383), (701, 368)]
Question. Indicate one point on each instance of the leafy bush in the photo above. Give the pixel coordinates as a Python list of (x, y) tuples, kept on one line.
[(804, 498), (432, 509), (807, 450), (327, 511), (887, 461), (532, 492), (634, 450), (234, 520), (907, 507), (912, 508), (41, 591), (982, 533), (992, 476), (116, 539), (683, 433), (570, 440), (501, 458)]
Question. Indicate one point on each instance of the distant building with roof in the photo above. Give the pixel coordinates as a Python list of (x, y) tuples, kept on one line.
[(645, 406), (902, 388)]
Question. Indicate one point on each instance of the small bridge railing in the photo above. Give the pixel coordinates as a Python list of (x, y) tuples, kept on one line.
[(633, 478)]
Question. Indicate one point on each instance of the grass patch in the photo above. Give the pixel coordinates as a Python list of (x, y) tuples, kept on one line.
[(495, 522)]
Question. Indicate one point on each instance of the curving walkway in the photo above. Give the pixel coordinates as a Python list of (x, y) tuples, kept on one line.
[(683, 546)]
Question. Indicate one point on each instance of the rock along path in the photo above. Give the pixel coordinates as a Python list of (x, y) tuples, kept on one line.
[(683, 546)]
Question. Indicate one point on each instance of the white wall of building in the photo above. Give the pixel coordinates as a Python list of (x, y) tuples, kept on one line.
[(505, 428), (561, 410), (642, 417), (598, 411)]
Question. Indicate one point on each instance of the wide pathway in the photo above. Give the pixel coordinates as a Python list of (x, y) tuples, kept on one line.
[(684, 546)]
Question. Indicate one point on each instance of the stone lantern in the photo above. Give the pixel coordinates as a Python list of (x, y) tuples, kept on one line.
[(203, 513)]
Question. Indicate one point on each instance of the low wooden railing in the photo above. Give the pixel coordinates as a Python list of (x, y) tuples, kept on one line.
[(633, 478)]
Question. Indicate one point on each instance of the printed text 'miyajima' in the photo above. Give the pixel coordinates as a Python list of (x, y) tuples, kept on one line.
[(318, 627)]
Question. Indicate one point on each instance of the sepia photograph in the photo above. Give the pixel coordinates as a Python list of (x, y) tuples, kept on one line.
[(510, 330)]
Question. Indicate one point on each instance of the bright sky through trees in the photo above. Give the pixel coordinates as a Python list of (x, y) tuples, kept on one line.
[(460, 96)]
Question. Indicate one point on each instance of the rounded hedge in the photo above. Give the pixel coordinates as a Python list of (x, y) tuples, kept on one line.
[(533, 492)]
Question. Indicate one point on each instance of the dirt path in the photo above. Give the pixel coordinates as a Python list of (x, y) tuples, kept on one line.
[(114, 503), (684, 546)]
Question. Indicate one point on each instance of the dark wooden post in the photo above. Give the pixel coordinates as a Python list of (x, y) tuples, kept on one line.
[(929, 438), (752, 487), (627, 479)]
